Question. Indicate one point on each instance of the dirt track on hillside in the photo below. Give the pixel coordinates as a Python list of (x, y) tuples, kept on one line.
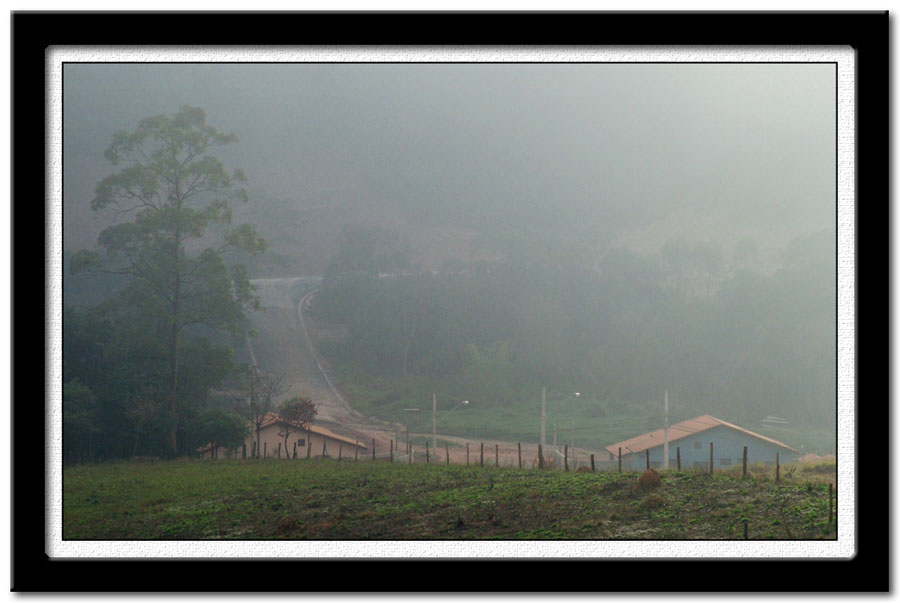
[(284, 344)]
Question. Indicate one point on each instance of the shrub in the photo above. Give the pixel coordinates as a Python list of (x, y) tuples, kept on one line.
[(824, 468), (649, 480)]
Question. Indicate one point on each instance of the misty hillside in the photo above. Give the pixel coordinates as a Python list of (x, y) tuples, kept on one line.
[(602, 154), (482, 231)]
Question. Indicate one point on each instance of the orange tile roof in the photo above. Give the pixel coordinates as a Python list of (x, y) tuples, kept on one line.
[(683, 430), (272, 419)]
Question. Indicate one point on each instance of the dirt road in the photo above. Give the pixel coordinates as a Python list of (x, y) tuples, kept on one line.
[(284, 344), (281, 345)]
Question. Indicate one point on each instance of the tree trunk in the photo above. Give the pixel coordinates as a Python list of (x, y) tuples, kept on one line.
[(173, 358), (173, 414), (176, 311), (137, 438)]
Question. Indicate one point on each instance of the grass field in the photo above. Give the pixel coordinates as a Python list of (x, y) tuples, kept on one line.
[(330, 500)]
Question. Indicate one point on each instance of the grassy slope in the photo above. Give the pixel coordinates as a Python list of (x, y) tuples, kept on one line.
[(597, 423), (326, 499)]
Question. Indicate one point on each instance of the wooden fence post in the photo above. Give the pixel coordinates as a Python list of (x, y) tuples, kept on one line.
[(647, 454), (265, 450), (295, 450), (427, 459), (496, 455), (324, 448), (373, 449), (540, 457), (710, 458), (566, 457), (392, 451), (447, 452), (678, 457), (620, 459), (308, 444), (830, 503), (279, 450), (520, 454), (481, 460), (745, 461), (593, 470), (467, 454), (777, 468)]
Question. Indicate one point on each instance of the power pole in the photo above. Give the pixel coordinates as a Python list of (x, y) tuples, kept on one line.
[(573, 441), (543, 417), (666, 433)]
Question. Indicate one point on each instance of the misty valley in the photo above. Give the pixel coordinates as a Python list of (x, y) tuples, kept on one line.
[(419, 311)]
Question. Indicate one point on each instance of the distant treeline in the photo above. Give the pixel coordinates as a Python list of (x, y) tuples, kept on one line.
[(730, 340)]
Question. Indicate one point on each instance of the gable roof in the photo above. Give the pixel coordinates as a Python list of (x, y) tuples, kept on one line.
[(681, 430), (272, 419)]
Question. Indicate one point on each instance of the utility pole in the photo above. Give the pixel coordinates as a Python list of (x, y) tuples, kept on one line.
[(573, 441), (434, 422), (543, 416), (666, 432)]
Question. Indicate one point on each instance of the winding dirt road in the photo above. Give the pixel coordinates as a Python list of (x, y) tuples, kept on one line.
[(283, 345)]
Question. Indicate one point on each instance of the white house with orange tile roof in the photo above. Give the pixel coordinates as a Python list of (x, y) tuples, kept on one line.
[(690, 441), (315, 441)]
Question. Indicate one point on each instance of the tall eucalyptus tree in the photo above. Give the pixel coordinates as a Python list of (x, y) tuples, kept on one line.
[(171, 202)]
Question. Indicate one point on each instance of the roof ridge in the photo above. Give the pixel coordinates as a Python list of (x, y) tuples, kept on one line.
[(688, 427)]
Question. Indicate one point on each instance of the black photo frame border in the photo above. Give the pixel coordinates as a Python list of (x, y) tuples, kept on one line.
[(33, 32)]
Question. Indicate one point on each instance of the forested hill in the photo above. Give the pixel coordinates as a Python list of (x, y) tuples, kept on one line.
[(620, 328)]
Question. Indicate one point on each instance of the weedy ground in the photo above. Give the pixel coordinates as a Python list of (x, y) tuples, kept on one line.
[(322, 499)]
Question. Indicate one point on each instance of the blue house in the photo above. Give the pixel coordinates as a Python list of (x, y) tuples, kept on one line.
[(691, 440)]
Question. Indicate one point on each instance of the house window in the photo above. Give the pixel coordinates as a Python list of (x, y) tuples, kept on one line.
[(697, 445), (725, 462), (301, 442)]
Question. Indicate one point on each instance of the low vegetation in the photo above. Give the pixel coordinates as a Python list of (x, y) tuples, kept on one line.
[(324, 499)]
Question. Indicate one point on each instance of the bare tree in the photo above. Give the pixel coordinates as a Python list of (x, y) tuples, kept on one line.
[(261, 390), (295, 414)]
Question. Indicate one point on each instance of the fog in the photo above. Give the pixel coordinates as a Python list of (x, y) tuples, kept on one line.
[(625, 229), (536, 145)]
